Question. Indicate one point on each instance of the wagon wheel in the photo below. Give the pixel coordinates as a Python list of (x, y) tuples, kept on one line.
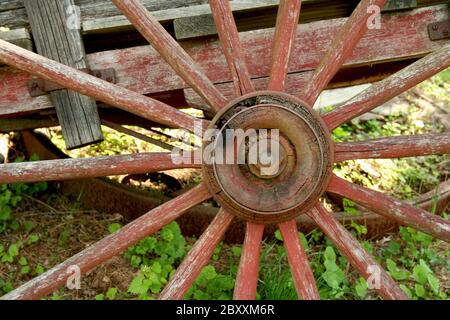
[(307, 153)]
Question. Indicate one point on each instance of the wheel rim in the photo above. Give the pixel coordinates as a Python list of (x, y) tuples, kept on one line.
[(321, 150)]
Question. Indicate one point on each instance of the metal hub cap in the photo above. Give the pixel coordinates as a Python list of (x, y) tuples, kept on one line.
[(270, 157)]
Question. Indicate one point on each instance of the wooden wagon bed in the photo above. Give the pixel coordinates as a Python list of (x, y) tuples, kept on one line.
[(111, 42)]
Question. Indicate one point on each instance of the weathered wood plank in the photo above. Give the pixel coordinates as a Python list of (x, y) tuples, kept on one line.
[(10, 4), (19, 37), (77, 113), (142, 70), (251, 15), (13, 13), (100, 16), (115, 23)]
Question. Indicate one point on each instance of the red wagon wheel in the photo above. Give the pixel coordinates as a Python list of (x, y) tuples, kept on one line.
[(305, 166)]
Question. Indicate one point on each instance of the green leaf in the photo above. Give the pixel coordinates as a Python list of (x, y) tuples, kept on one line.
[(167, 235), (28, 226), (136, 261), (5, 213), (424, 238), (39, 269), (13, 250), (8, 287), (434, 283), (406, 290), (100, 297), (350, 207), (236, 251), (360, 229), (111, 293), (329, 254), (137, 285), (25, 270), (420, 290), (23, 261), (156, 268), (303, 241), (333, 279), (331, 266), (33, 238), (361, 288), (394, 272), (278, 235), (393, 248), (420, 274), (425, 266), (114, 227), (391, 265)]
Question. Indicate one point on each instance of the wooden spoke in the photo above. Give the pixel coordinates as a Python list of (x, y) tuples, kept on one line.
[(285, 31), (355, 254), (96, 88), (301, 271), (229, 38), (398, 210), (394, 147), (171, 51), (110, 246), (247, 277), (197, 258), (390, 87), (341, 49), (66, 169)]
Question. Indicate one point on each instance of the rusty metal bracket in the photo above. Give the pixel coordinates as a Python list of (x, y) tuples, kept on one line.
[(395, 5), (439, 30), (41, 87)]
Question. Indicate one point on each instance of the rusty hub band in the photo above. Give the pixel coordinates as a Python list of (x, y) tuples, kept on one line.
[(263, 192)]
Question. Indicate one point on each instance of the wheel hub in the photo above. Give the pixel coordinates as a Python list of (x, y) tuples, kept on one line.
[(269, 157)]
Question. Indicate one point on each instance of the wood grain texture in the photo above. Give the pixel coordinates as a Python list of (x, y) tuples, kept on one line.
[(171, 51), (390, 87), (340, 50), (285, 32), (20, 37), (77, 113), (197, 258), (355, 253), (229, 38), (101, 16), (303, 277), (384, 205), (83, 83), (394, 147), (142, 69), (200, 22), (110, 246), (67, 169), (247, 276)]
